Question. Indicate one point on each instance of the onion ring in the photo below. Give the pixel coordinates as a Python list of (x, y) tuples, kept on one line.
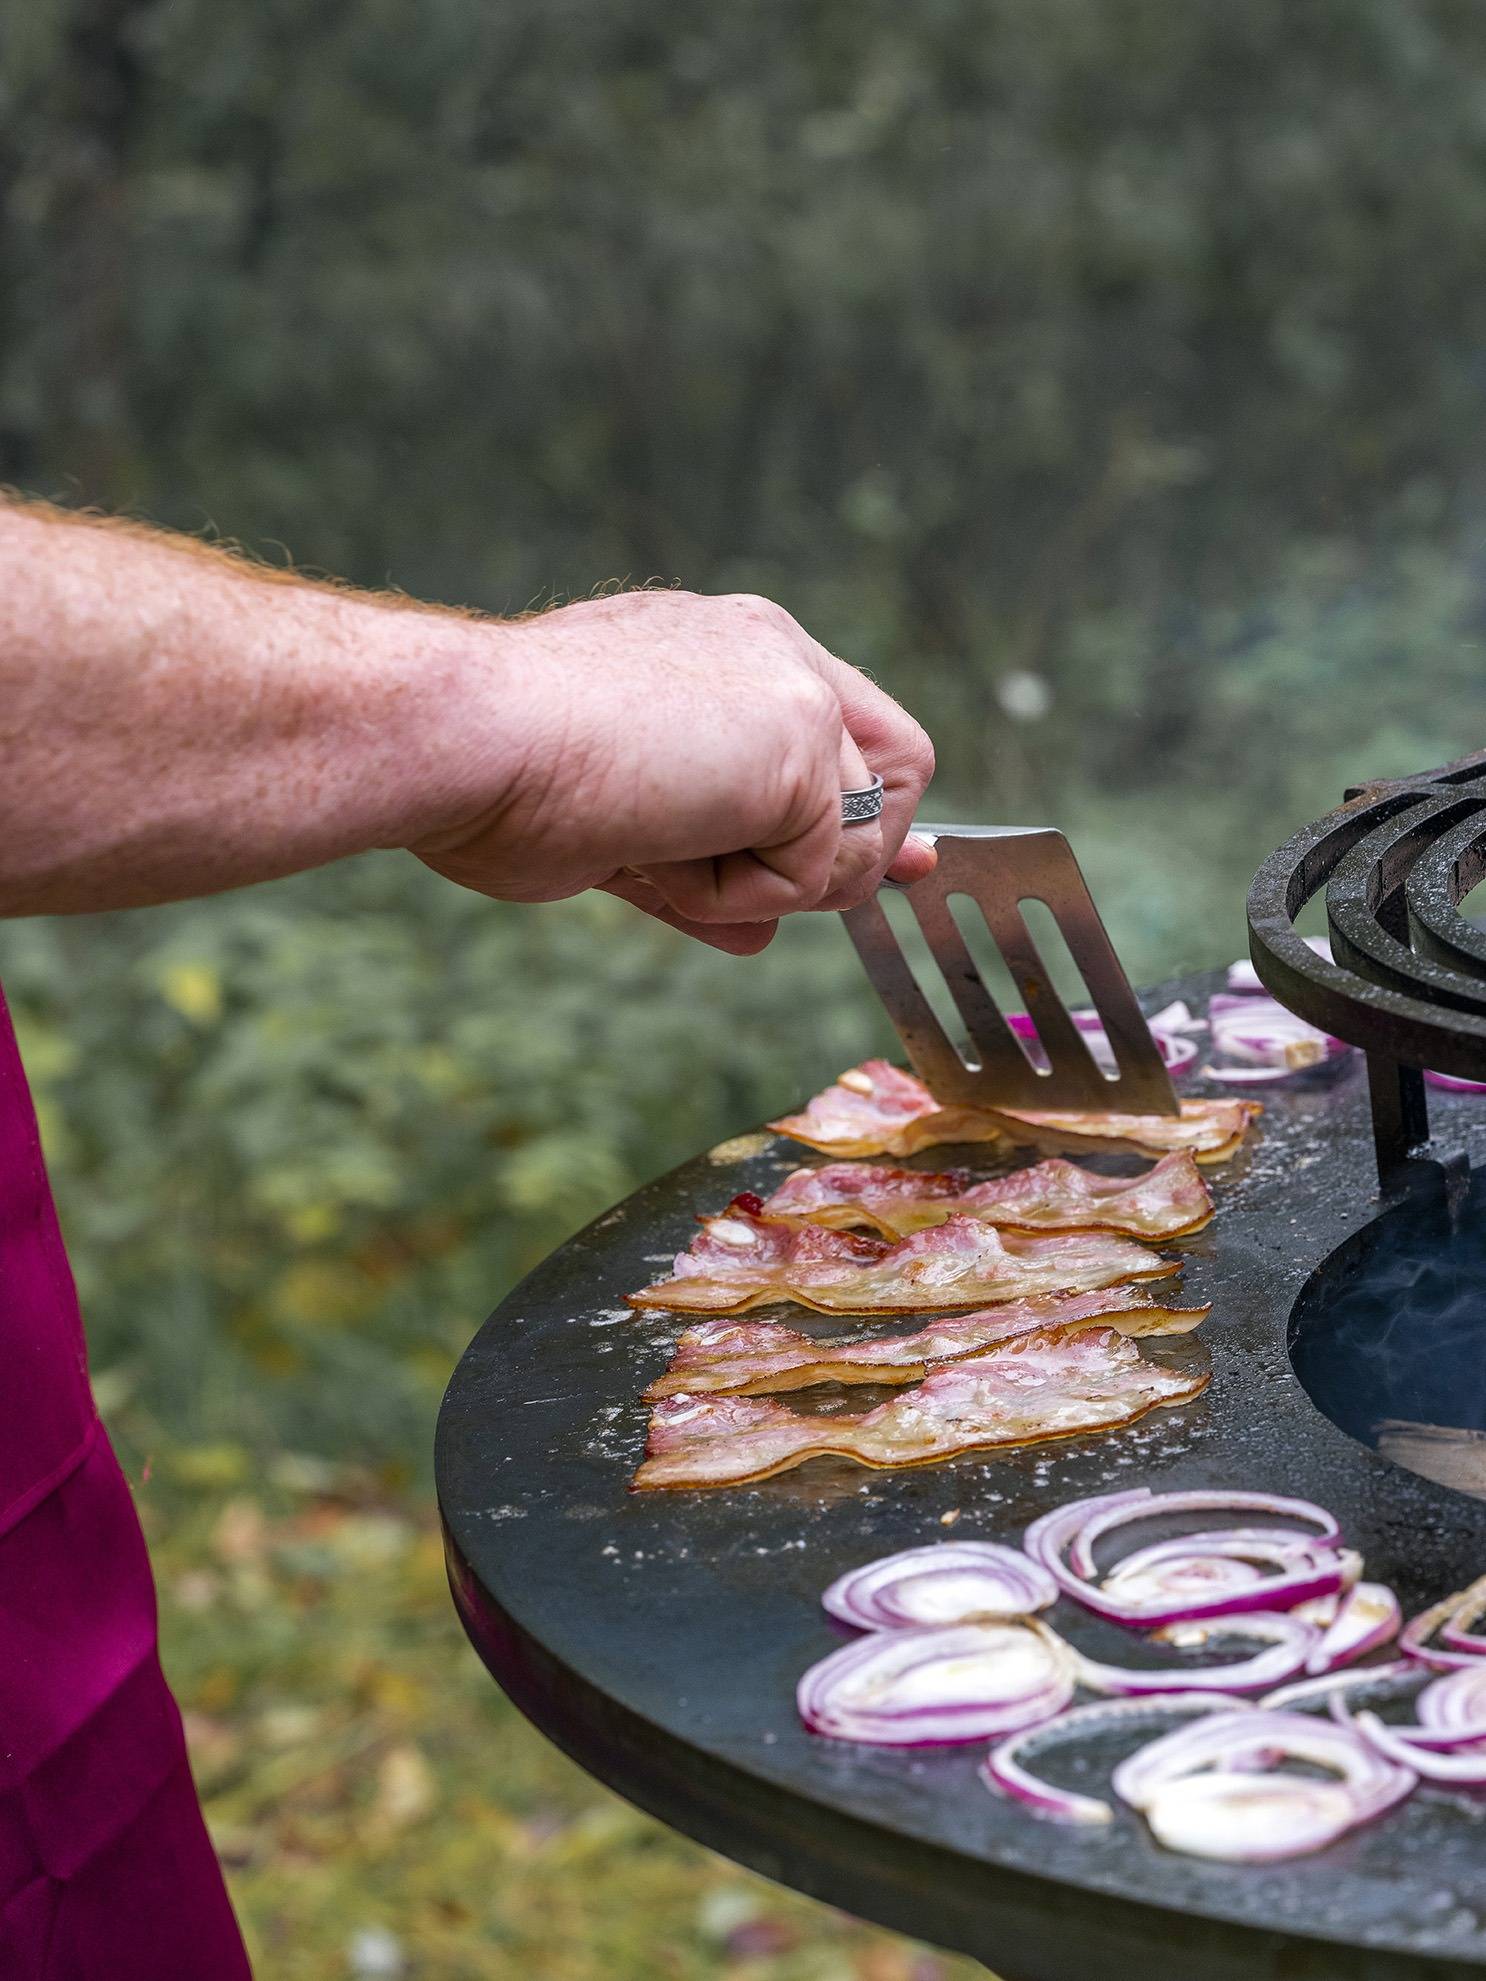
[(1448, 1744), (1292, 1639), (1465, 1768), (1002, 1768), (1456, 1704), (1167, 1028), (1454, 1612), (1315, 1569), (1210, 1790), (1321, 1689), (1268, 1041), (947, 1582), (938, 1687), (1368, 1616)]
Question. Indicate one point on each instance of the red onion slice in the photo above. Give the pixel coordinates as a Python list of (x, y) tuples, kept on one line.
[(1312, 1571), (1369, 1616), (1261, 1040), (938, 1687), (1453, 1613), (1292, 1642), (1167, 1029), (1243, 978), (1327, 1685), (1456, 1704), (1003, 1767), (944, 1583), (1212, 1790), (1456, 1631), (1117, 1509), (1257, 1817), (1253, 1543), (1179, 1578), (1464, 1768), (1449, 1742), (1198, 1565)]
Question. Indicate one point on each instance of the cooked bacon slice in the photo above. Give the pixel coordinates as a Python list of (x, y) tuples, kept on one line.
[(1048, 1386), (739, 1261), (1169, 1201), (1212, 1129), (746, 1358), (876, 1110)]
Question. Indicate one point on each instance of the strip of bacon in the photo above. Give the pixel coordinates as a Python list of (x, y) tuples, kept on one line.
[(876, 1110), (1169, 1201), (747, 1358), (1211, 1129), (738, 1261), (1049, 1386)]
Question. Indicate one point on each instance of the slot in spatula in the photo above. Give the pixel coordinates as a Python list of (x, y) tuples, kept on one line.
[(1000, 867)]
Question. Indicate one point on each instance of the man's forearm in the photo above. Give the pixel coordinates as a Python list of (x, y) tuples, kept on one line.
[(173, 721)]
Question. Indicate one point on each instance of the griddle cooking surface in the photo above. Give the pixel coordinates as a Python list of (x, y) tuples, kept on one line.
[(657, 1638)]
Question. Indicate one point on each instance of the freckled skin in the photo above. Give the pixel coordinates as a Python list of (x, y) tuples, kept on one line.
[(174, 721)]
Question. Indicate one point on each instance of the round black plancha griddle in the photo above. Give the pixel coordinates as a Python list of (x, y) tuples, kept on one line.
[(656, 1638)]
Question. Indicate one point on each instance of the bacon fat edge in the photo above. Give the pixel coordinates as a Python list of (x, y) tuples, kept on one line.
[(1043, 1388), (738, 1261), (876, 1109)]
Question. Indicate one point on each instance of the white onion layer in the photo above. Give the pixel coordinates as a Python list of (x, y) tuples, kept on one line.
[(945, 1582), (1004, 1767), (936, 1687), (1214, 1789)]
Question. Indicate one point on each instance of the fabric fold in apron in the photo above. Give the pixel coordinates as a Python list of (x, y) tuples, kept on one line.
[(106, 1869)]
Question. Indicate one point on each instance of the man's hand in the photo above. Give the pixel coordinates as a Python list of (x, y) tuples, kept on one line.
[(689, 755), (174, 721)]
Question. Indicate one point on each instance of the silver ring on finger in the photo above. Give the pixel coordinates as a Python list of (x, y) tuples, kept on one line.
[(861, 807)]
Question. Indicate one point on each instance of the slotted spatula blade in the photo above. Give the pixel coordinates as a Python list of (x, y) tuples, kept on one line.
[(1000, 867)]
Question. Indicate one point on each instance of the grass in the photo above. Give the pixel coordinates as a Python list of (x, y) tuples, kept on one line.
[(383, 1813)]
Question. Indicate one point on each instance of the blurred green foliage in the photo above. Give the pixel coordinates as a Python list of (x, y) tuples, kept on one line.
[(1102, 375), (303, 1135), (384, 1813), (1105, 375)]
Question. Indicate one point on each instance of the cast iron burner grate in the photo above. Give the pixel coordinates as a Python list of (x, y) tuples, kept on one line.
[(1408, 979), (1386, 1337)]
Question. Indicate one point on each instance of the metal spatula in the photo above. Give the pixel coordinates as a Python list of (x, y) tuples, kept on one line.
[(1000, 867)]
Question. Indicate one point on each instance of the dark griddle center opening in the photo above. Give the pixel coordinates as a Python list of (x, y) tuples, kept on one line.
[(1388, 1336)]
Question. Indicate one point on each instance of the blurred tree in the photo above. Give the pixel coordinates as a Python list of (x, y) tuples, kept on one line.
[(1104, 375)]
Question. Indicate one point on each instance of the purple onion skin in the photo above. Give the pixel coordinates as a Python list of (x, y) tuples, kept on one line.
[(1451, 1083), (1460, 1770), (1067, 1529), (862, 1597), (1379, 1766), (1109, 1511), (1382, 1632), (1267, 1596), (1044, 1799), (946, 1724), (1006, 1774), (1047, 1709)]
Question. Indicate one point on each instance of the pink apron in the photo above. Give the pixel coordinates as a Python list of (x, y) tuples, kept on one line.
[(106, 1870)]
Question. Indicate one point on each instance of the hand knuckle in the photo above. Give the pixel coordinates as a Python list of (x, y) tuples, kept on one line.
[(812, 700)]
